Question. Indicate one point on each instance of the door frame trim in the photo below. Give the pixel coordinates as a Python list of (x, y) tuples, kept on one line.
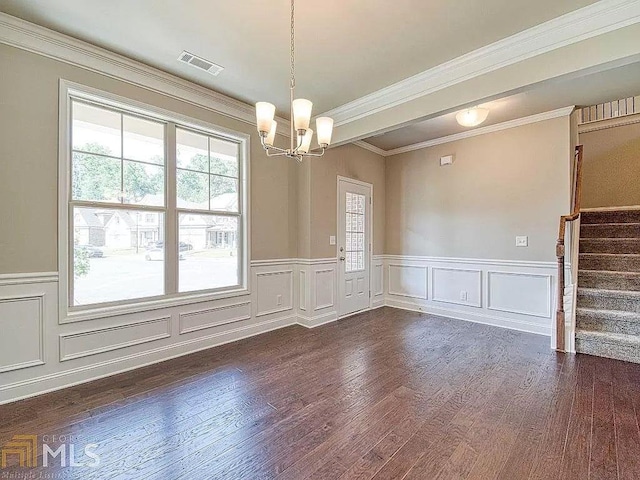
[(369, 218)]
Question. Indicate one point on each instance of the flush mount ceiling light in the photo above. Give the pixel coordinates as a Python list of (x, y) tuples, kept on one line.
[(301, 134), (472, 117)]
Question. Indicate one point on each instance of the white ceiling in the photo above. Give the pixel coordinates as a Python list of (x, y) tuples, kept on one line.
[(588, 89), (345, 49)]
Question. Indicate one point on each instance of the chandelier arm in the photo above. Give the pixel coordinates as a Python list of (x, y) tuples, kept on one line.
[(283, 153), (272, 147), (315, 154), (275, 149), (299, 144)]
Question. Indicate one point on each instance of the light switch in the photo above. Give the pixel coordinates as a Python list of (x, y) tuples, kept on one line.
[(522, 241), (332, 240)]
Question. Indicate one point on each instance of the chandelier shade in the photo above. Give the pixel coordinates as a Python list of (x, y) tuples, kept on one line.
[(300, 114), (305, 144), (265, 112), (324, 128), (271, 136)]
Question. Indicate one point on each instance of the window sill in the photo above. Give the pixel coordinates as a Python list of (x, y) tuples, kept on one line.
[(149, 305)]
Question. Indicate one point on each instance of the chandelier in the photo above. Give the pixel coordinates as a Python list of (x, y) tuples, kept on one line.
[(300, 111)]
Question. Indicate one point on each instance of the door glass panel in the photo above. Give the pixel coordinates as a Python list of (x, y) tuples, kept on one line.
[(355, 229)]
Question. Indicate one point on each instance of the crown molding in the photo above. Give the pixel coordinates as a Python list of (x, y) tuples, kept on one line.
[(540, 117), (593, 20), (371, 148), (33, 38), (609, 123)]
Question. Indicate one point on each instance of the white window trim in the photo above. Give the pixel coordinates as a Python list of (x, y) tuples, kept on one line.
[(69, 90)]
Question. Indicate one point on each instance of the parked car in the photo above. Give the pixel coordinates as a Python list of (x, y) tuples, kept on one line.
[(157, 254), (182, 246), (92, 252)]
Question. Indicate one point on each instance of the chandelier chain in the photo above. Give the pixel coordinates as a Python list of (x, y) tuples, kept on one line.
[(293, 46)]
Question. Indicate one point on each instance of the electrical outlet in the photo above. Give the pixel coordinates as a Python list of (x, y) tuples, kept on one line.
[(446, 160), (522, 241), (279, 300), (464, 296), (332, 240)]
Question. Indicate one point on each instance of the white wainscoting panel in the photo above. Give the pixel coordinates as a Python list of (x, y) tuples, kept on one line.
[(325, 288), (505, 293), (39, 354), (94, 342), (21, 332), (61, 355), (448, 284), (214, 317), (408, 280), (377, 281), (274, 292), (302, 293), (522, 293), (318, 291)]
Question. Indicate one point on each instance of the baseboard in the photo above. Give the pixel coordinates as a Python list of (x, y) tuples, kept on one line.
[(496, 321), (318, 320), (68, 378), (378, 302)]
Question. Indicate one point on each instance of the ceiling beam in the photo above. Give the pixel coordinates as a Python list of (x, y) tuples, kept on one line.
[(601, 33)]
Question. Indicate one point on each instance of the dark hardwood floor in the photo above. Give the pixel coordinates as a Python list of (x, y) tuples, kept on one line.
[(387, 394)]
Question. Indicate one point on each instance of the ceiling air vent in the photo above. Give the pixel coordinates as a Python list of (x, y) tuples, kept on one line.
[(200, 63)]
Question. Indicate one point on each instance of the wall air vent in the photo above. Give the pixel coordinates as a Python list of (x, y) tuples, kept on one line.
[(200, 63)]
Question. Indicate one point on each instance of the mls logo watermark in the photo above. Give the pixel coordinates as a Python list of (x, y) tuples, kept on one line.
[(56, 450), (24, 447)]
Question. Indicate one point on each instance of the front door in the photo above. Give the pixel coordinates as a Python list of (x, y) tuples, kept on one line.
[(354, 245)]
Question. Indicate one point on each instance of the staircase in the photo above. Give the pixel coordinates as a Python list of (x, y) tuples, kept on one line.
[(608, 309)]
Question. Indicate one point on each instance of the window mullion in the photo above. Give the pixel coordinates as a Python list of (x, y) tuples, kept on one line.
[(171, 222)]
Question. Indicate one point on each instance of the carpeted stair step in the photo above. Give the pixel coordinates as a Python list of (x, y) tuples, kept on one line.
[(610, 245), (609, 280), (611, 345), (610, 230), (609, 261), (620, 300), (612, 321), (613, 216)]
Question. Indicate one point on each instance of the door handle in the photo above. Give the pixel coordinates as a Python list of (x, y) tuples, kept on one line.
[(342, 259)]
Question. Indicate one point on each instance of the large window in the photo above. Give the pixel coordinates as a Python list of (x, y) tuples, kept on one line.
[(155, 206)]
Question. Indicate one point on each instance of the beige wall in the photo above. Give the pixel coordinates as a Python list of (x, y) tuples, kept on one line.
[(611, 171), (28, 164), (304, 209), (348, 161), (472, 209), (503, 184)]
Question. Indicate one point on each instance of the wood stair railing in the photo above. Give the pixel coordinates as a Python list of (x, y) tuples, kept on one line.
[(560, 249)]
